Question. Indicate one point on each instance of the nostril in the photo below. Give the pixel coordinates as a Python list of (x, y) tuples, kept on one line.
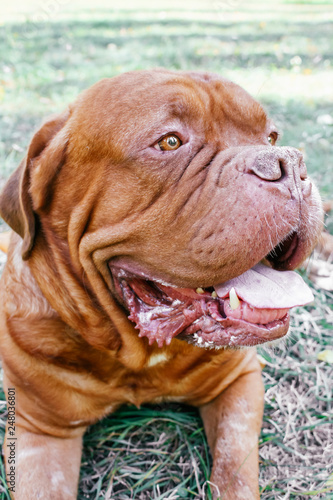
[(277, 164), (267, 168), (306, 188), (302, 170)]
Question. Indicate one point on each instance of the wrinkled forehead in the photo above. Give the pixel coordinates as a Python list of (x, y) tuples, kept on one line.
[(138, 103), (211, 96)]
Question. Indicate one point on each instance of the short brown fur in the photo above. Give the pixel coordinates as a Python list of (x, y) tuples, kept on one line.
[(92, 189)]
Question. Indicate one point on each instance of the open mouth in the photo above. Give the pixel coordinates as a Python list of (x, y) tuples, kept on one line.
[(249, 309)]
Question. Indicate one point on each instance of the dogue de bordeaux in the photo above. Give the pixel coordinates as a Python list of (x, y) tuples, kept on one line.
[(156, 229)]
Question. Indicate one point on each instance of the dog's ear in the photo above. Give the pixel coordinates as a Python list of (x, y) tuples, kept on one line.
[(19, 199)]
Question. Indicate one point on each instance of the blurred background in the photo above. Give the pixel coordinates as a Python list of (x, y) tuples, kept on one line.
[(282, 53)]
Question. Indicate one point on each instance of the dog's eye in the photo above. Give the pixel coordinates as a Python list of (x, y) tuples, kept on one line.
[(272, 138), (169, 143)]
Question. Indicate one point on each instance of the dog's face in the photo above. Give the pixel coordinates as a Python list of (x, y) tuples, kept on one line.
[(160, 186)]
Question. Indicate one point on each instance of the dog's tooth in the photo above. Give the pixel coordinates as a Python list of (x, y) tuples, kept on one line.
[(200, 290), (234, 300), (214, 294)]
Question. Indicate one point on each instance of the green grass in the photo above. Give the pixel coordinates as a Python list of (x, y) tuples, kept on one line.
[(280, 53), (159, 449)]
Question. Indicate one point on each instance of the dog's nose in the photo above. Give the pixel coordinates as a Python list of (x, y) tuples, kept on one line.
[(276, 163)]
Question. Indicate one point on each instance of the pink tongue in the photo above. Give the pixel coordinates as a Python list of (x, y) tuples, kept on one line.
[(263, 287)]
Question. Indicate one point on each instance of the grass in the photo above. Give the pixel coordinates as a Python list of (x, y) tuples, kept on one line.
[(282, 54), (157, 449), (297, 430)]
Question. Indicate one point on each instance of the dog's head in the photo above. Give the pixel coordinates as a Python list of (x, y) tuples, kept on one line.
[(164, 191)]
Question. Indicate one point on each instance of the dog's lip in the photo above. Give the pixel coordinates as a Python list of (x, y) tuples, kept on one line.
[(240, 333), (130, 266)]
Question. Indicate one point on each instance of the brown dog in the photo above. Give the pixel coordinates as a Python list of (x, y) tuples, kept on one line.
[(135, 211)]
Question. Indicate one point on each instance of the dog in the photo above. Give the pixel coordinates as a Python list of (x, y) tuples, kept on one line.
[(156, 229)]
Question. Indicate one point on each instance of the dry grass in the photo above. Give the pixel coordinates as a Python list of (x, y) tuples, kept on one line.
[(296, 442)]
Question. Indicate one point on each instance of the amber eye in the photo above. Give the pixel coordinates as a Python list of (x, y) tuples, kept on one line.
[(272, 138), (169, 143)]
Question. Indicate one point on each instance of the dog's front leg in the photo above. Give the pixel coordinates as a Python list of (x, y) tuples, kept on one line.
[(232, 423), (39, 466)]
